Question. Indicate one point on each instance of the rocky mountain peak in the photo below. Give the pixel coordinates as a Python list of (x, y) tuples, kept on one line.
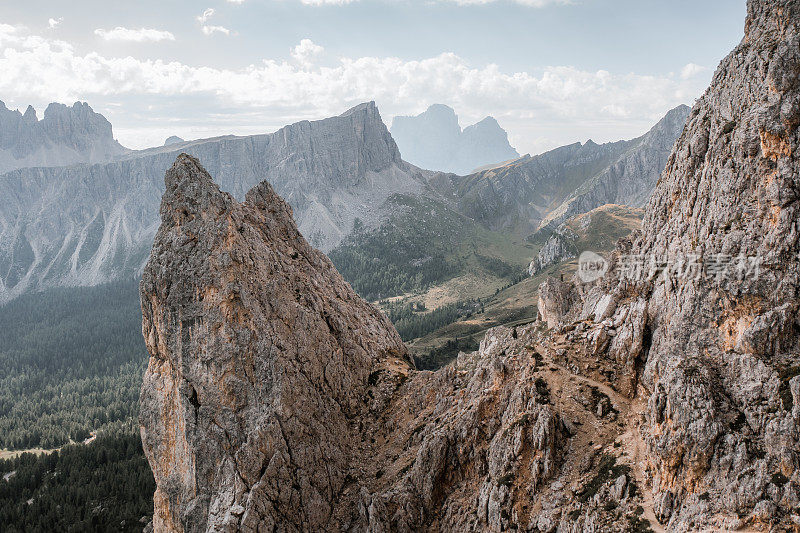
[(261, 351), (29, 116), (434, 140), (65, 135)]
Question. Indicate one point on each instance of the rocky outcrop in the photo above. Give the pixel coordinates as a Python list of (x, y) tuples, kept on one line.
[(261, 358), (276, 399), (558, 247), (707, 322), (85, 225), (434, 140), (64, 136)]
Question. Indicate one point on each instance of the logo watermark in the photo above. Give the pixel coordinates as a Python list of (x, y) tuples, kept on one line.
[(641, 267), (591, 266)]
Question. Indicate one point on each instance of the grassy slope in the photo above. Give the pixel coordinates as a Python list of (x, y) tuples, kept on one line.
[(598, 230), (426, 244)]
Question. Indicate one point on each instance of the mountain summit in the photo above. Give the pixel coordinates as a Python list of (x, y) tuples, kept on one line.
[(85, 225), (434, 140), (64, 136)]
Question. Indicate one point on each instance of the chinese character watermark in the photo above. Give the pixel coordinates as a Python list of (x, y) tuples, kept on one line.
[(641, 267)]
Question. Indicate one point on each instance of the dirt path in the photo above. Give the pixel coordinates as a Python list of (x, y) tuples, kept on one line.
[(633, 447)]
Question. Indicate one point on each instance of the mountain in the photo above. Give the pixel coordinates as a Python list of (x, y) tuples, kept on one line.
[(434, 140), (276, 399), (173, 139), (250, 274), (64, 136), (596, 230), (705, 333), (630, 179), (549, 188), (84, 225)]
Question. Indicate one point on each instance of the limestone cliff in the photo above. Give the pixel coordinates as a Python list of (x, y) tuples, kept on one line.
[(64, 136), (705, 328), (665, 397), (261, 357)]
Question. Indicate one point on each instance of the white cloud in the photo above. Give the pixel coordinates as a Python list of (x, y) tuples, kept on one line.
[(691, 70), (556, 105), (132, 35), (530, 3), (236, 1), (209, 29), (326, 2), (305, 52), (52, 23)]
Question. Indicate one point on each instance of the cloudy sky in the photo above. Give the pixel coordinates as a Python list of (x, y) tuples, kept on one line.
[(551, 71)]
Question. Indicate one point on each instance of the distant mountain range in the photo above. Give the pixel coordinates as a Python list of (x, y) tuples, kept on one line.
[(64, 136), (434, 140), (530, 192), (86, 224)]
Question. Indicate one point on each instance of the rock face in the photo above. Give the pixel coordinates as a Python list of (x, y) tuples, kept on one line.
[(276, 400), (711, 329), (257, 345), (84, 225), (434, 140), (65, 136)]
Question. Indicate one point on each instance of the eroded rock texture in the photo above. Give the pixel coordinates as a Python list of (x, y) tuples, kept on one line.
[(277, 400), (261, 357), (716, 350)]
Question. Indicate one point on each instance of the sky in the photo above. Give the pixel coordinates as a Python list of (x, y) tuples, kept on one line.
[(551, 71)]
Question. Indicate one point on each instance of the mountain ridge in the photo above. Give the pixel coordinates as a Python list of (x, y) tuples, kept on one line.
[(64, 136), (634, 400)]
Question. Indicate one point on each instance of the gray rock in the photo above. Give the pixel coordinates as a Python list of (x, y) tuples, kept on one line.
[(718, 352), (84, 225), (434, 140), (64, 136)]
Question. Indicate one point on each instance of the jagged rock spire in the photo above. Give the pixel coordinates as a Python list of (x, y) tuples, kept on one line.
[(260, 357)]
